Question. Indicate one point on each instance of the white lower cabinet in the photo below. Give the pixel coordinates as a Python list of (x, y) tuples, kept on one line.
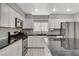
[(14, 49), (35, 41), (19, 48)]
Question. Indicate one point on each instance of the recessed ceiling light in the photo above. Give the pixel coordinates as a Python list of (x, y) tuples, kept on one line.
[(36, 9), (68, 9), (54, 9)]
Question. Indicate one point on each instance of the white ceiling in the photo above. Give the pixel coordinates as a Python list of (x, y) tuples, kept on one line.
[(47, 8)]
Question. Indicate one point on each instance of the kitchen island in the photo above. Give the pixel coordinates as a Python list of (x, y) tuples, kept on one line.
[(37, 46)]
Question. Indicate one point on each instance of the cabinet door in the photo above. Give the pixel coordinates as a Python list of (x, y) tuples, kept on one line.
[(35, 41), (0, 13), (28, 23), (54, 23), (4, 15), (16, 49), (19, 48), (11, 17)]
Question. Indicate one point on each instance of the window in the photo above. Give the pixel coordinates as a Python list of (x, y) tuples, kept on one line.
[(41, 26), (44, 26), (37, 26)]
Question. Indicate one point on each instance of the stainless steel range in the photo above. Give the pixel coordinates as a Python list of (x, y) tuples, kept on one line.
[(24, 42), (17, 36)]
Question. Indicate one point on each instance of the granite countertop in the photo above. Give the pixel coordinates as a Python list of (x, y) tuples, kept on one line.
[(44, 34), (10, 43), (15, 38)]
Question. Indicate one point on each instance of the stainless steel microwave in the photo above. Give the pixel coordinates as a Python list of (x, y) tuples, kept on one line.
[(18, 23)]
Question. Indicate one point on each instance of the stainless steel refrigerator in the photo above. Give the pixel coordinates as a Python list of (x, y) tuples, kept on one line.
[(70, 32)]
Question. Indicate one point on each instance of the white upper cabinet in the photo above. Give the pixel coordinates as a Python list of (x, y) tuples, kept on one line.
[(11, 17), (8, 15), (28, 23), (53, 22), (0, 14), (4, 15)]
